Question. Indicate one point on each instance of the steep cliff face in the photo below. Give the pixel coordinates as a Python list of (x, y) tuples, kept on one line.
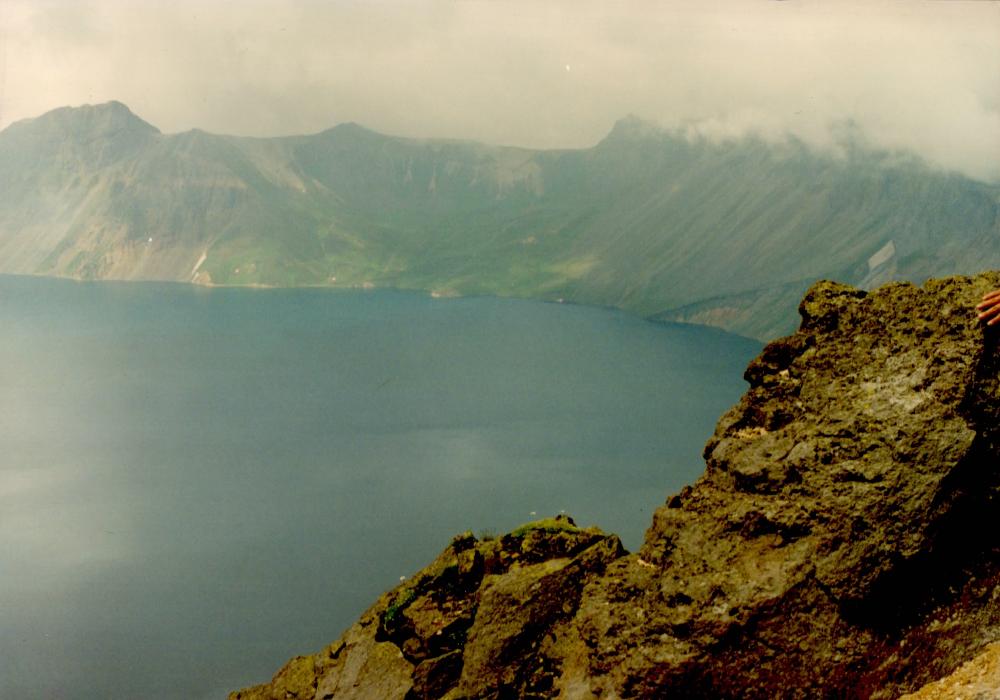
[(842, 542)]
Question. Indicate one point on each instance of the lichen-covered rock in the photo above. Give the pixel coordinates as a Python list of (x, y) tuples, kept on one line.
[(842, 542)]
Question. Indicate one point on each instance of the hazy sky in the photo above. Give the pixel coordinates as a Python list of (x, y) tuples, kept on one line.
[(920, 75)]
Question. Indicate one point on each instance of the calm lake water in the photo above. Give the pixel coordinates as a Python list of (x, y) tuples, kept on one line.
[(197, 484)]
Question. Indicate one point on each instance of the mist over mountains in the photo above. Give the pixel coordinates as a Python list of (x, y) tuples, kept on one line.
[(670, 227)]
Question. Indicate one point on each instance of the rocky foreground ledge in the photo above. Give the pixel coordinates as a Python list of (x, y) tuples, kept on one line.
[(844, 542)]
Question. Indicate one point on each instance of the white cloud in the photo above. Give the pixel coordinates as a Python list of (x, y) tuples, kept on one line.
[(918, 75)]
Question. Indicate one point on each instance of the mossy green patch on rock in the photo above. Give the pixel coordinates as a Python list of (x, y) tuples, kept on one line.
[(547, 525)]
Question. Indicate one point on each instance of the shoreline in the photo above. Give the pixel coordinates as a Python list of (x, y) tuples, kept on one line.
[(437, 295)]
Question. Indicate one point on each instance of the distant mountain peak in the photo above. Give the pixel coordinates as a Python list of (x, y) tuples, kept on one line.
[(632, 127), (106, 118), (114, 114), (96, 135), (110, 106), (352, 129)]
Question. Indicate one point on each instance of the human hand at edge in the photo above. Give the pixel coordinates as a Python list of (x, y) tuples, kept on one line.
[(989, 308)]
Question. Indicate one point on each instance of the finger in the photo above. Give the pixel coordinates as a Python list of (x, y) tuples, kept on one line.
[(989, 309), (991, 313)]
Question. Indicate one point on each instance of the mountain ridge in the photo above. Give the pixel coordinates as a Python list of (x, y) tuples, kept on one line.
[(649, 220)]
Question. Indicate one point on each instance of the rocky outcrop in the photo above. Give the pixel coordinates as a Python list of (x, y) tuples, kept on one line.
[(472, 622), (842, 542)]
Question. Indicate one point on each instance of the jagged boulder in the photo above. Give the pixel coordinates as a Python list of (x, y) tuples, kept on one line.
[(842, 542)]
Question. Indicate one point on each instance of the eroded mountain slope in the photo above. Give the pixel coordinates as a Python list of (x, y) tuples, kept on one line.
[(656, 222)]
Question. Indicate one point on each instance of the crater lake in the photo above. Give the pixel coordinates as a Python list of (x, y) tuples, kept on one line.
[(196, 484)]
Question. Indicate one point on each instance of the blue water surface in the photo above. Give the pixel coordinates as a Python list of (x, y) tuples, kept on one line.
[(196, 484)]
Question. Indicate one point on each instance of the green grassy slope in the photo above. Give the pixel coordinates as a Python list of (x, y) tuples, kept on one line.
[(647, 220)]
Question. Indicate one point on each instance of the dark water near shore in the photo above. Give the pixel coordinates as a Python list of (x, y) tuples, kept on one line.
[(197, 484)]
